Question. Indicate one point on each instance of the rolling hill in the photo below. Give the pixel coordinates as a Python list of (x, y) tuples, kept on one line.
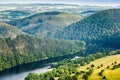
[(18, 47), (9, 15), (24, 49), (7, 30), (109, 73), (92, 67), (44, 25), (101, 31), (96, 26)]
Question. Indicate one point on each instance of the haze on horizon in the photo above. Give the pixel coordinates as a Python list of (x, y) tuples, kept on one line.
[(80, 2)]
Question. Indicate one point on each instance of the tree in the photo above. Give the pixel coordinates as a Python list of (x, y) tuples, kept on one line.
[(75, 77), (98, 67), (85, 76), (90, 57), (108, 67), (101, 65), (101, 73), (104, 77), (51, 78), (115, 62), (68, 78), (92, 65), (32, 76)]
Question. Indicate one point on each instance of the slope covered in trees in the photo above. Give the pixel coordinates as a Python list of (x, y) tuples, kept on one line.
[(9, 15), (92, 67), (7, 30), (96, 26), (45, 24), (100, 31), (24, 49)]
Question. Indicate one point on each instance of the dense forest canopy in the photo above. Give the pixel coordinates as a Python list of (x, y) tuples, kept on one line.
[(45, 25), (24, 49)]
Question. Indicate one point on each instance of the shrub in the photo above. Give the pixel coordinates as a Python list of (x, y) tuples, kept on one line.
[(108, 67), (101, 73), (85, 76), (92, 65), (101, 65), (98, 67), (104, 77)]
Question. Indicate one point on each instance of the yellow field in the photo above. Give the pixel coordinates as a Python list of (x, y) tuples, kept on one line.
[(106, 61)]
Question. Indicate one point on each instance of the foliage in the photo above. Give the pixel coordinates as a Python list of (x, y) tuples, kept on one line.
[(32, 76), (101, 73), (9, 15), (46, 24), (67, 69), (100, 31), (24, 49), (7, 30)]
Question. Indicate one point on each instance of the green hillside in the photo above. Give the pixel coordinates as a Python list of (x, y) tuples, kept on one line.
[(109, 73), (92, 67), (7, 30), (44, 25), (101, 31), (97, 26), (98, 33), (9, 15), (25, 49)]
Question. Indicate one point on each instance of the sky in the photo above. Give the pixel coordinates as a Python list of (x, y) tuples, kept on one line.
[(80, 2)]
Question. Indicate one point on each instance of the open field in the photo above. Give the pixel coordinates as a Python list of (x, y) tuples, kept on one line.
[(109, 73)]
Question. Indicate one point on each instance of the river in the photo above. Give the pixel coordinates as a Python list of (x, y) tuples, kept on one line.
[(21, 71), (16, 74)]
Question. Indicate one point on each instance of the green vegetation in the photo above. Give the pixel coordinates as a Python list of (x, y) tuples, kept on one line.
[(9, 15), (95, 27), (100, 31), (101, 73), (7, 30), (32, 76), (45, 25), (24, 49), (70, 70)]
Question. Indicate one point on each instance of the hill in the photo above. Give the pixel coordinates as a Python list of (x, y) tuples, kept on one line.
[(97, 66), (100, 31), (98, 25), (44, 25), (24, 49), (109, 73), (7, 30), (9, 15)]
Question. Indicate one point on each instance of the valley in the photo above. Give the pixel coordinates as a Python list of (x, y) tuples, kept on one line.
[(59, 42), (45, 25), (94, 66)]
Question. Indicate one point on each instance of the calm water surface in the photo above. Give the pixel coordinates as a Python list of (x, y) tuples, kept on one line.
[(22, 75), (20, 72)]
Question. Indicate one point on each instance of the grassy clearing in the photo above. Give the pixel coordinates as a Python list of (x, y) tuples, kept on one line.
[(105, 61), (108, 73)]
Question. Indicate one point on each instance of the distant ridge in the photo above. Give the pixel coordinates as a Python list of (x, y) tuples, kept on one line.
[(101, 31), (7, 30), (9, 15), (97, 26), (44, 25)]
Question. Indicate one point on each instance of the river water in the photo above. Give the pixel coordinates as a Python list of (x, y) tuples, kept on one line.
[(20, 75), (21, 71)]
